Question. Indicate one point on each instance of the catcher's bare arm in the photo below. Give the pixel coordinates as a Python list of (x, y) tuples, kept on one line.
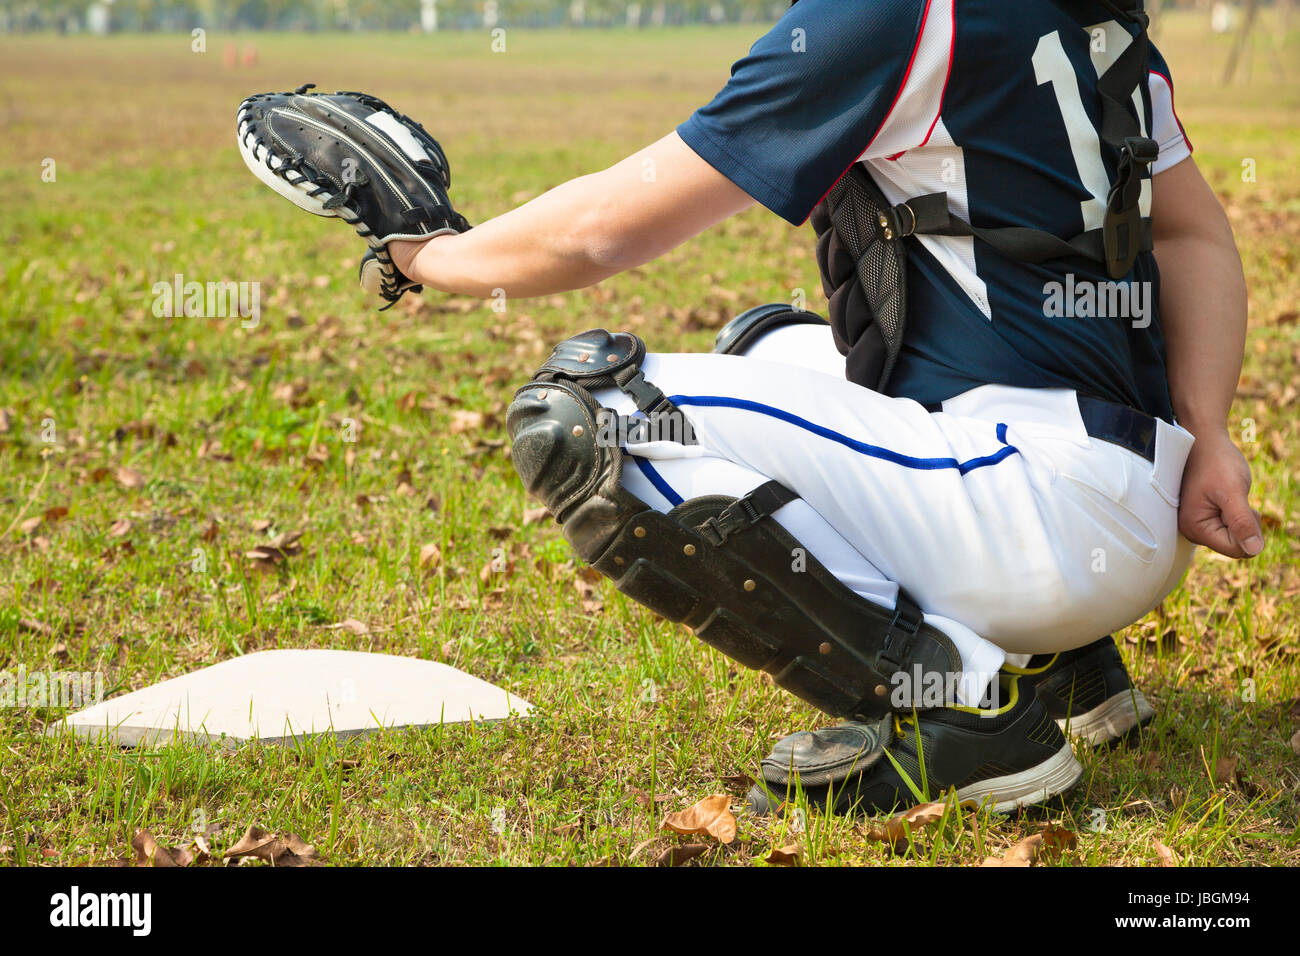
[(582, 231), (1203, 314)]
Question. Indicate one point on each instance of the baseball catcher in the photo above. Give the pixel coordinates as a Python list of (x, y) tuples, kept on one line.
[(926, 513)]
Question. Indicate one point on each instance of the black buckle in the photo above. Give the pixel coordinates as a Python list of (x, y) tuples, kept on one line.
[(712, 530), (721, 527), (1121, 229), (737, 516), (1121, 237), (890, 222), (648, 398), (908, 626), (1143, 149)]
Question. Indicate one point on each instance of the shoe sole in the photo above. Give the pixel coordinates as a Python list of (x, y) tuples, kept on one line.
[(1053, 776), (1109, 720)]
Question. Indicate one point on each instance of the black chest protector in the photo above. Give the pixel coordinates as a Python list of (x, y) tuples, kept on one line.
[(861, 237)]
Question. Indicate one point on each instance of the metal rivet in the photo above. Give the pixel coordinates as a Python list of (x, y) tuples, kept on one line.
[(619, 561), (889, 234), (577, 431), (611, 357), (543, 393), (584, 356), (881, 690), (689, 550), (750, 584), (825, 647), (884, 220), (639, 532)]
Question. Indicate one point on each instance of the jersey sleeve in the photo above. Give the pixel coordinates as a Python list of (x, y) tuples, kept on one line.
[(809, 99), (1165, 126)]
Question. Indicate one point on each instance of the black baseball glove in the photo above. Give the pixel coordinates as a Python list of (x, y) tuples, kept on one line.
[(352, 156)]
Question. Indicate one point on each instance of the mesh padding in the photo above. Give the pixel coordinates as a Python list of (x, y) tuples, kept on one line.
[(864, 276)]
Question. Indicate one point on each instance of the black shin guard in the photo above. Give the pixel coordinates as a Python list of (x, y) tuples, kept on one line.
[(720, 565)]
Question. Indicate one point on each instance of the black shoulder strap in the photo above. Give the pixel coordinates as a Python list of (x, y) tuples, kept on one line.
[(1124, 232)]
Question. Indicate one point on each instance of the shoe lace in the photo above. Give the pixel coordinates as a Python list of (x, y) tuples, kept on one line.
[(899, 732)]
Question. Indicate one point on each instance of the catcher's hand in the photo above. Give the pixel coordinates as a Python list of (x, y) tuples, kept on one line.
[(352, 156)]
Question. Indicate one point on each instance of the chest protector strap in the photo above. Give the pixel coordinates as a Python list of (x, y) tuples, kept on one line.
[(860, 235)]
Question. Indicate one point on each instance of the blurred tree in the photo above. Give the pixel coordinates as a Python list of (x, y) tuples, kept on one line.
[(128, 15)]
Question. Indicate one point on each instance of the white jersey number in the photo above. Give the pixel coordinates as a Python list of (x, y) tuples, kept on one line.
[(1051, 65)]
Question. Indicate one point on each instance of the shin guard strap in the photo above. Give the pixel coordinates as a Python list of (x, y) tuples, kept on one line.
[(746, 511)]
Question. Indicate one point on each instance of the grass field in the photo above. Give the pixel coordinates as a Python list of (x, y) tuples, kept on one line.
[(134, 449)]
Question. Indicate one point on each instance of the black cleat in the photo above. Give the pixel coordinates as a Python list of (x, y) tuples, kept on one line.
[(1089, 692), (1004, 758)]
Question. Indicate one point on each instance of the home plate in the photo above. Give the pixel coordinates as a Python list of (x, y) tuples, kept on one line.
[(276, 696)]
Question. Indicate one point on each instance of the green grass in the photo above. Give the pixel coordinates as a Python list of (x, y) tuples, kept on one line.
[(219, 421)]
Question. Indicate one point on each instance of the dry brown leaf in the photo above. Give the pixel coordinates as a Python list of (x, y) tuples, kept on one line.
[(210, 532), (1058, 840), (32, 626), (6, 420), (895, 829), (30, 524), (265, 556), (572, 827), (1022, 854), (712, 815), (261, 845), (57, 513), (464, 420), (287, 541), (677, 855), (120, 527), (1295, 743), (740, 782), (149, 852), (430, 556), (282, 546), (1164, 854), (790, 855), (262, 524), (1225, 770), (534, 515), (352, 625), (204, 849), (129, 477), (1150, 762)]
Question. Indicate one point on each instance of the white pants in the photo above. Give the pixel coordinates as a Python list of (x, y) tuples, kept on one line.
[(1012, 529)]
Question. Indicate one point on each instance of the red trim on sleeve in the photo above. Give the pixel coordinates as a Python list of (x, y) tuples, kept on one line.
[(952, 53), (920, 33), (1170, 84)]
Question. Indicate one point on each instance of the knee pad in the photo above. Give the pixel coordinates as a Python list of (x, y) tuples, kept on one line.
[(722, 566), (744, 330)]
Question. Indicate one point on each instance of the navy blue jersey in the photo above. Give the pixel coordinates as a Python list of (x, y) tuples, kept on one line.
[(996, 104)]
